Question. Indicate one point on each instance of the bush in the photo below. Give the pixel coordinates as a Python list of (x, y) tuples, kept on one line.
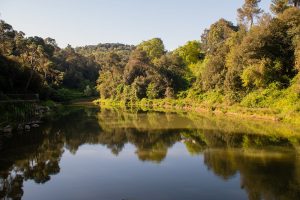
[(212, 97), (64, 94)]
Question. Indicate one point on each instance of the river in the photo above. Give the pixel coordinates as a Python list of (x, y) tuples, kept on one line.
[(86, 152)]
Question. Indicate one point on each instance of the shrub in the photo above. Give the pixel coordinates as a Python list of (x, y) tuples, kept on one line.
[(64, 94)]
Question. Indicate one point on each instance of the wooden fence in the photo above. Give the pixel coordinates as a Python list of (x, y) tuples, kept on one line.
[(18, 108), (19, 98)]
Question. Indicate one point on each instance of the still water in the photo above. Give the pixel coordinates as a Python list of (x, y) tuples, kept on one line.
[(93, 153)]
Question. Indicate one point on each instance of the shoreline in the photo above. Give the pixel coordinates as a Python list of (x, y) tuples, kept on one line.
[(258, 114)]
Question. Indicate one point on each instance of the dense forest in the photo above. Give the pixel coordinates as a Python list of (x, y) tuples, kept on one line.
[(37, 65), (254, 64)]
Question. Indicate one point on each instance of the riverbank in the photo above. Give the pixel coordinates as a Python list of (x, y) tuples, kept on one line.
[(265, 114), (22, 116)]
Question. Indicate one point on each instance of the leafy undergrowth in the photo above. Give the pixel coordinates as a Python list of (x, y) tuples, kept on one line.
[(269, 104)]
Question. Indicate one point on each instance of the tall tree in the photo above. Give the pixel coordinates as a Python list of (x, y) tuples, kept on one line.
[(278, 6), (214, 37), (7, 35), (33, 56), (215, 40), (249, 11)]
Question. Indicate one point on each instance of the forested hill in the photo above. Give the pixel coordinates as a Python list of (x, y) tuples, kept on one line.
[(105, 47), (253, 63), (99, 53)]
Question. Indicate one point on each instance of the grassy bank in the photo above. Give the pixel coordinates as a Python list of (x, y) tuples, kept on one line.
[(235, 110)]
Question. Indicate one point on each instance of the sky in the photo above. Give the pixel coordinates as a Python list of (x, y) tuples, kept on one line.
[(88, 22)]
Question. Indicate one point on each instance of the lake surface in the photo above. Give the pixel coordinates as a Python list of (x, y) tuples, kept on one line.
[(92, 153)]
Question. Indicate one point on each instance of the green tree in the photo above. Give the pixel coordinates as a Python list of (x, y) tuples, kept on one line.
[(268, 53), (234, 64), (191, 52), (33, 56), (291, 18), (173, 73), (7, 37), (216, 45), (138, 65), (152, 92), (154, 48), (249, 11), (214, 37), (78, 70)]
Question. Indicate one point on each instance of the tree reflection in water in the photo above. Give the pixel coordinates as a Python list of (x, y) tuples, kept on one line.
[(265, 156)]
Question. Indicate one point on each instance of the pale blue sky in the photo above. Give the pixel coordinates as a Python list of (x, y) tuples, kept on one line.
[(83, 22)]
